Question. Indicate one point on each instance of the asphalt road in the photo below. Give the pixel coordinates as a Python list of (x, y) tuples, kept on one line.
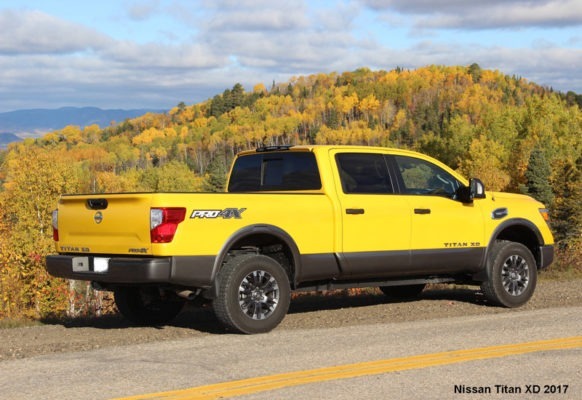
[(133, 370)]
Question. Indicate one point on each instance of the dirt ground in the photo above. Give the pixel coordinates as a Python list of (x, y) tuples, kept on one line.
[(306, 311)]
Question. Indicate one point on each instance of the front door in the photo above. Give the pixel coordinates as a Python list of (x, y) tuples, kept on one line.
[(446, 234)]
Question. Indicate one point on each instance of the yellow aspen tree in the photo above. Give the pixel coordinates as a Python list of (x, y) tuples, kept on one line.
[(34, 180), (484, 162)]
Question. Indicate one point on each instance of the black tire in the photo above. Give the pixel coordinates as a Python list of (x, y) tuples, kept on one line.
[(511, 274), (146, 305), (403, 292), (253, 294)]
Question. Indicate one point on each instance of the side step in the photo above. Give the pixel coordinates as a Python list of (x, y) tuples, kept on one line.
[(332, 285)]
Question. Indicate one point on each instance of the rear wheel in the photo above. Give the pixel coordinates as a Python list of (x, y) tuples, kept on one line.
[(511, 273), (403, 292), (147, 305), (253, 294)]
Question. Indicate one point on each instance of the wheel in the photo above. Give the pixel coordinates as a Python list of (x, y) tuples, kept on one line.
[(403, 292), (511, 274), (253, 294), (147, 305)]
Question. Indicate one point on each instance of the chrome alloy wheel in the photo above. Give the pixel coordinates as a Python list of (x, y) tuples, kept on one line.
[(258, 295), (515, 275)]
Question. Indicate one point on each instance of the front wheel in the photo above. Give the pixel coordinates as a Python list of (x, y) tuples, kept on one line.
[(253, 294), (147, 305), (511, 274)]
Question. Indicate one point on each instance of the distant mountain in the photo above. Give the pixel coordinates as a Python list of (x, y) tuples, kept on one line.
[(37, 121), (6, 138)]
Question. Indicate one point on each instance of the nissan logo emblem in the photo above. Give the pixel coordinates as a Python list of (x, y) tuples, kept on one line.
[(98, 217)]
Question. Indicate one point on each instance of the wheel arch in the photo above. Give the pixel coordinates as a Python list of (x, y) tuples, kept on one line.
[(520, 231), (265, 239)]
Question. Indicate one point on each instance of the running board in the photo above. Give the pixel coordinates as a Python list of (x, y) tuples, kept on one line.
[(333, 285)]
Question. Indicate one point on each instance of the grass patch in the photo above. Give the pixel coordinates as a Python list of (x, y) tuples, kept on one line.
[(561, 274), (7, 323), (567, 263)]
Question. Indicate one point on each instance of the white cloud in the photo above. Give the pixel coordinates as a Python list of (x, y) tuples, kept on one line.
[(155, 55), (29, 32), (258, 20), (213, 44), (253, 15), (485, 15), (142, 10), (547, 66), (280, 36), (50, 61)]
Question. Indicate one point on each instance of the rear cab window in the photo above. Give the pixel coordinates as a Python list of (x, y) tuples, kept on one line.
[(275, 171)]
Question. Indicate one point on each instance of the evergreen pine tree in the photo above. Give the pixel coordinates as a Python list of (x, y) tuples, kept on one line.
[(215, 180), (475, 72), (237, 95), (538, 178), (567, 210), (217, 106)]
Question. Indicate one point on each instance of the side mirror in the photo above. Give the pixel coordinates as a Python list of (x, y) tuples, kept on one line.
[(475, 190), (463, 194)]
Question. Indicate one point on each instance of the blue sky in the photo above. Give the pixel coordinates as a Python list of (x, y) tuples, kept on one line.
[(158, 53)]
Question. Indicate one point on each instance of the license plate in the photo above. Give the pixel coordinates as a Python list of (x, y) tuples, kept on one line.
[(80, 264), (100, 264)]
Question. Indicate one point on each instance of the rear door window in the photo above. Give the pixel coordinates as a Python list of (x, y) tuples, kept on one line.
[(275, 171), (364, 173)]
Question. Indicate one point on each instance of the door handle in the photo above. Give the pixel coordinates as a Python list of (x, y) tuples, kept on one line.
[(422, 210), (354, 211), (97, 204)]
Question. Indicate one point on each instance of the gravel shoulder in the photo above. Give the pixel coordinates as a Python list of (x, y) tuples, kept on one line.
[(306, 312)]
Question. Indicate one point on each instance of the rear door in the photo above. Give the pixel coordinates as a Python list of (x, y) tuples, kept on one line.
[(375, 222)]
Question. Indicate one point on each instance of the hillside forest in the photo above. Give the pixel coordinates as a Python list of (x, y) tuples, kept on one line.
[(513, 134)]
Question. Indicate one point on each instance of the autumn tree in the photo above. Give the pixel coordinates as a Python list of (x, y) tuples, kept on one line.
[(171, 177), (35, 179), (485, 161)]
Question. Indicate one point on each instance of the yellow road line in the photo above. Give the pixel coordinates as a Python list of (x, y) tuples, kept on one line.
[(278, 381)]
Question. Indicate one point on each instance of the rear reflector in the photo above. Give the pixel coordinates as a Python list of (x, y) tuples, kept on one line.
[(55, 223)]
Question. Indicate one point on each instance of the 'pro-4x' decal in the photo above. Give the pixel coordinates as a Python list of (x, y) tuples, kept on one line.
[(227, 213)]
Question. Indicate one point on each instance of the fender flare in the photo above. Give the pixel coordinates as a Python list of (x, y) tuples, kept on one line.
[(250, 230), (516, 222), (513, 222)]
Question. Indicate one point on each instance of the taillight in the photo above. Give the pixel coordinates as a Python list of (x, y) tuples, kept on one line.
[(164, 222), (55, 223)]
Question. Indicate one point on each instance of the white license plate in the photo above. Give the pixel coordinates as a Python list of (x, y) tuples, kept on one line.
[(100, 264), (80, 264)]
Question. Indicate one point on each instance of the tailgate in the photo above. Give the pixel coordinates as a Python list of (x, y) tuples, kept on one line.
[(105, 224)]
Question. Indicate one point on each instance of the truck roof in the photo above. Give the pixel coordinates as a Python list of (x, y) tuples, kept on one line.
[(316, 147), (324, 149)]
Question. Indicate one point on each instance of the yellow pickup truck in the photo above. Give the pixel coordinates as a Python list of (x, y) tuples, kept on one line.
[(302, 218)]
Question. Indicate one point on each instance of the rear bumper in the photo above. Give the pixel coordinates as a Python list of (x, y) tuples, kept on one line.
[(185, 271)]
